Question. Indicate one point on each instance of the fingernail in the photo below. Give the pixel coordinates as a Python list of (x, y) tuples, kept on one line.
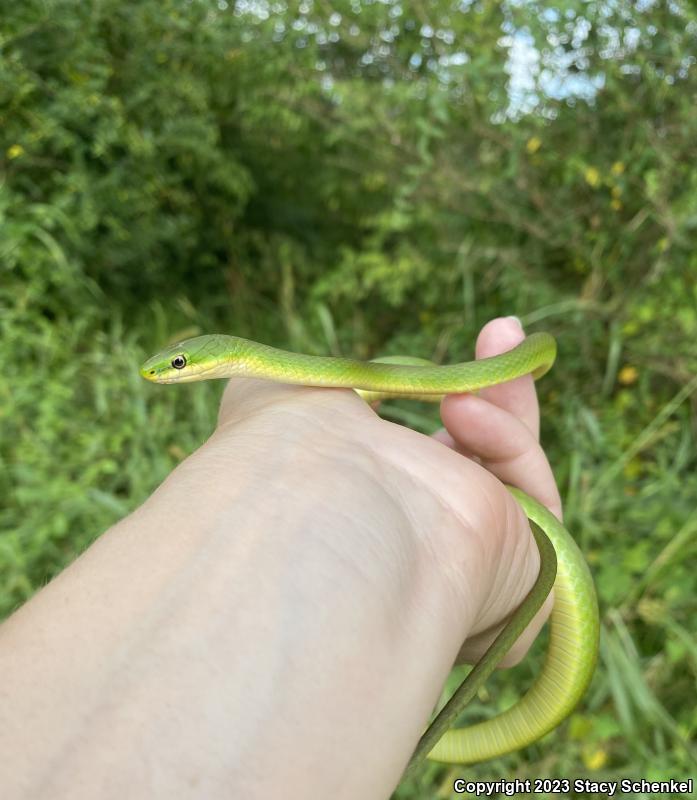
[(517, 319)]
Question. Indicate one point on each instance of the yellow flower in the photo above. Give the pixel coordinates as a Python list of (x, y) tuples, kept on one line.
[(616, 204), (628, 375), (616, 191), (592, 176), (617, 168), (15, 151), (595, 759), (533, 144)]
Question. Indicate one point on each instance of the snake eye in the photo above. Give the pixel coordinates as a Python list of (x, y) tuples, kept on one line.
[(179, 362)]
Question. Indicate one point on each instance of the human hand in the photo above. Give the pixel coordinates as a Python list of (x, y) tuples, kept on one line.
[(284, 608), (499, 429)]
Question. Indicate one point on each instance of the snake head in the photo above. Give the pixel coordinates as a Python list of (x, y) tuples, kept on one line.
[(191, 360)]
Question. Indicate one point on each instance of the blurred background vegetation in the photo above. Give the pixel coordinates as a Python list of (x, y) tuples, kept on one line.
[(362, 178)]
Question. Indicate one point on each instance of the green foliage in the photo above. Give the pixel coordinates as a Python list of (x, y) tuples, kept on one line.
[(366, 178)]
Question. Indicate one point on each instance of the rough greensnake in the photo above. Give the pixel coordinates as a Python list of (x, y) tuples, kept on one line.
[(574, 621)]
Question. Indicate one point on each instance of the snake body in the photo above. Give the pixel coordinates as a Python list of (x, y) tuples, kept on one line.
[(574, 621)]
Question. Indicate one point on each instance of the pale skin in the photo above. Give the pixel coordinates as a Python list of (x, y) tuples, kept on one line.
[(281, 613)]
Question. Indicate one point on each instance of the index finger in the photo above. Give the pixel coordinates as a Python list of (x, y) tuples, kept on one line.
[(517, 396)]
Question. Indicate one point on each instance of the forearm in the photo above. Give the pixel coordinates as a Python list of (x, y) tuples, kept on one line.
[(172, 660)]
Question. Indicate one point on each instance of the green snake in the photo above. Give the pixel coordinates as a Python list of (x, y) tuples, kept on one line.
[(574, 621)]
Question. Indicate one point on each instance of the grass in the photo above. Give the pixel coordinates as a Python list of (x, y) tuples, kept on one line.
[(85, 440)]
